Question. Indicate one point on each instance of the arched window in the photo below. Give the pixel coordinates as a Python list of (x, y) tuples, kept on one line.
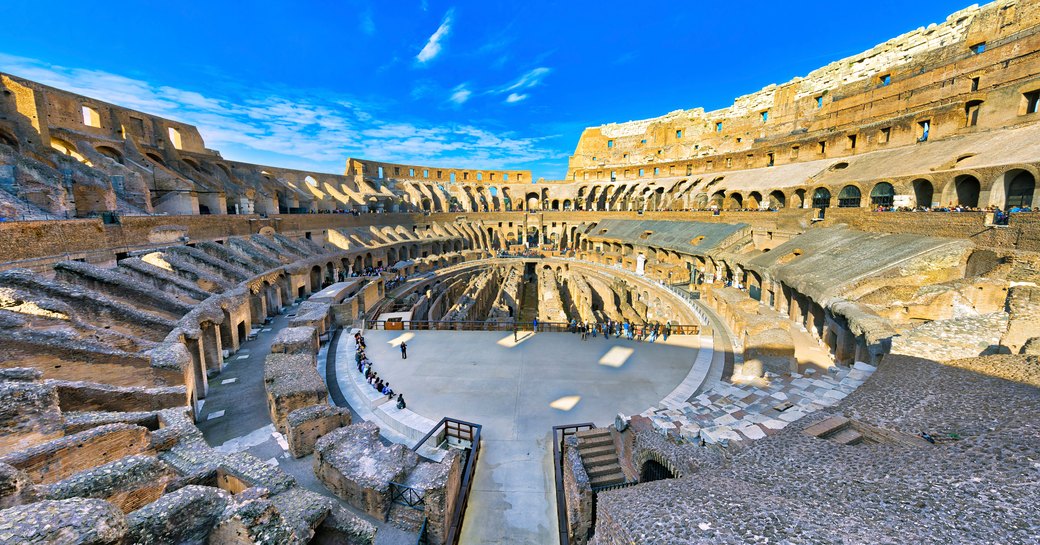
[(821, 198), (882, 195), (1020, 191), (967, 188), (849, 197)]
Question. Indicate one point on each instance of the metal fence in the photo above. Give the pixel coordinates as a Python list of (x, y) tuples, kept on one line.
[(559, 434), (460, 430), (639, 331)]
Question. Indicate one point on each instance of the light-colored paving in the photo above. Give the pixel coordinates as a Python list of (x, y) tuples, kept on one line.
[(518, 391)]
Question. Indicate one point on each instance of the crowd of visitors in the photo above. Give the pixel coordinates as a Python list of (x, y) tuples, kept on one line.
[(649, 332), (364, 366)]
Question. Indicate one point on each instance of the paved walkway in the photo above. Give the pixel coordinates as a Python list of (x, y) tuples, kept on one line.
[(518, 391), (235, 418)]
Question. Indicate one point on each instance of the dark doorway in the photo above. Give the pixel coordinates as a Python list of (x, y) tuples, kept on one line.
[(654, 471)]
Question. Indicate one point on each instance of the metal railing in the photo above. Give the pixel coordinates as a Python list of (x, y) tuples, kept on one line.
[(407, 496), (560, 433), (460, 430), (639, 331), (424, 538)]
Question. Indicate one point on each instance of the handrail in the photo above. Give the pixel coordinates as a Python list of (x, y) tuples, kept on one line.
[(466, 431), (495, 325), (559, 433)]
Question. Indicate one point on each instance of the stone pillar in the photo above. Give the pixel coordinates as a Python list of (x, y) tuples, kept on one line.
[(211, 351)]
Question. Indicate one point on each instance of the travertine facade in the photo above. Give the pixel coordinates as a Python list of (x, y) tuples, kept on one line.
[(146, 261)]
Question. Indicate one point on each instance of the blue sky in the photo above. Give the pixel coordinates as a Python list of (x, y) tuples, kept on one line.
[(305, 84)]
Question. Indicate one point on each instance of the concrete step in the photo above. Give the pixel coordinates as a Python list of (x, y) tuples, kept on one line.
[(595, 441), (602, 460), (827, 427), (594, 432), (597, 472), (847, 436), (594, 452), (608, 480)]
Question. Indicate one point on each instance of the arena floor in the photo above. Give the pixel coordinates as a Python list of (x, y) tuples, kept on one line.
[(517, 392)]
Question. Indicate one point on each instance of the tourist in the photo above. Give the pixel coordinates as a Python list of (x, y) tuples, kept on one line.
[(404, 350), (534, 324), (400, 402)]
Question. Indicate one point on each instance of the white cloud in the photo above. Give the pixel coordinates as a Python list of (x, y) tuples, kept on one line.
[(424, 5), (460, 94), (529, 80), (368, 25), (298, 128), (513, 97), (433, 45)]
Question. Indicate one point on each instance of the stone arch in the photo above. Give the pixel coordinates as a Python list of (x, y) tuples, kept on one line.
[(798, 198), (777, 199), (883, 194), (754, 200), (821, 198), (155, 157), (110, 152), (718, 198), (645, 456), (924, 192), (1013, 188), (8, 139), (567, 204), (850, 197), (532, 201), (966, 189), (735, 201)]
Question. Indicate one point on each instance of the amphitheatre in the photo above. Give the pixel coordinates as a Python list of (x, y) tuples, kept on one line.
[(812, 316)]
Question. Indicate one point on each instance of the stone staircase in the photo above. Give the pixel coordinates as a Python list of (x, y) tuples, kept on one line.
[(600, 457), (836, 428), (529, 303)]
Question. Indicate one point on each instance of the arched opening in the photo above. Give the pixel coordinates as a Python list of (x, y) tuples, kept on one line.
[(700, 201), (736, 201), (111, 153), (566, 204), (1020, 191), (718, 198), (924, 192), (777, 200), (883, 194), (967, 188), (426, 204), (66, 148), (532, 201), (849, 197), (8, 139), (154, 157), (654, 471), (555, 204), (754, 200), (821, 198), (798, 198)]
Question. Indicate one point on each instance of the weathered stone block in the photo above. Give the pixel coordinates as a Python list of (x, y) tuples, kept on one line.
[(128, 483), (29, 410), (356, 466), (76, 521), (296, 340), (55, 460), (291, 382), (305, 426), (186, 516)]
